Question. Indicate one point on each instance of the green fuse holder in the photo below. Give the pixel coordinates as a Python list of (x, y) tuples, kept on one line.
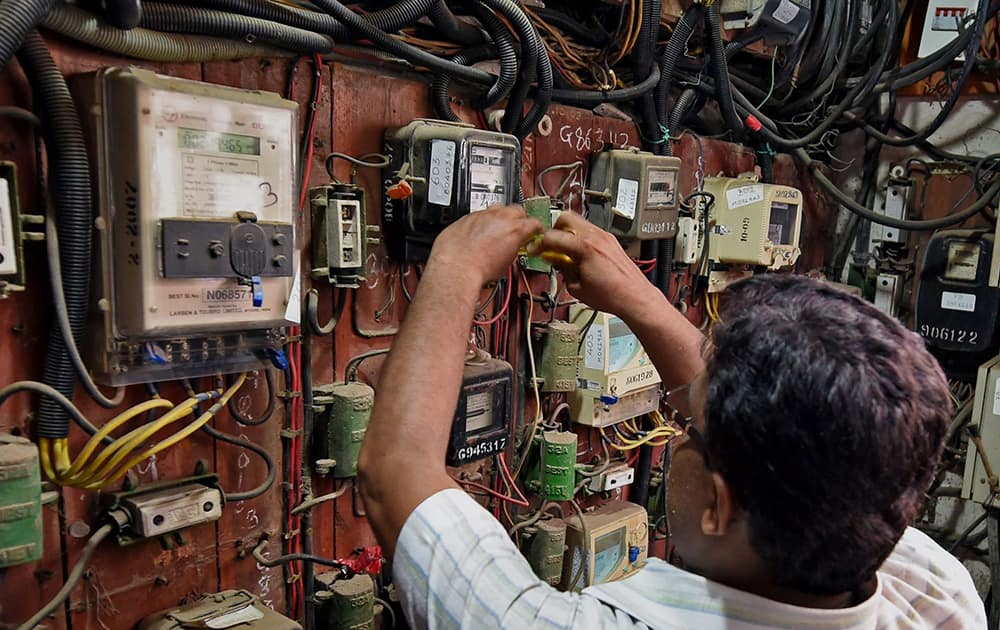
[(347, 603), (558, 469), (545, 551), (343, 410), (560, 357), (20, 502), (540, 208)]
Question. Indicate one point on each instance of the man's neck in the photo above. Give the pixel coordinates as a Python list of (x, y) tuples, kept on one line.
[(809, 600)]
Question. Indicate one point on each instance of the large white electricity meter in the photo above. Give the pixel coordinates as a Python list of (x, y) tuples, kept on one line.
[(753, 223), (439, 172), (197, 246), (633, 194)]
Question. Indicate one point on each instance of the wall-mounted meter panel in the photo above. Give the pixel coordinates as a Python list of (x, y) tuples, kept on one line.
[(438, 172), (11, 250), (613, 547), (481, 427), (753, 223), (633, 194), (616, 380), (339, 234), (196, 186), (957, 312)]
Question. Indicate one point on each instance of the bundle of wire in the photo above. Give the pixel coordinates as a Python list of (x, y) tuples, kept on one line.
[(628, 436), (91, 472)]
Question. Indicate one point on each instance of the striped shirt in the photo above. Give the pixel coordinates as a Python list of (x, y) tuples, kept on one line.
[(456, 567)]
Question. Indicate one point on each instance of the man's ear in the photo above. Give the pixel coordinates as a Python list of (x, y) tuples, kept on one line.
[(717, 518)]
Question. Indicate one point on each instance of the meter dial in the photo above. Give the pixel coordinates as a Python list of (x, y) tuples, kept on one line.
[(489, 175), (479, 411)]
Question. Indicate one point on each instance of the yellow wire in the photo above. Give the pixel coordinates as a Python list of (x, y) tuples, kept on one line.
[(127, 443), (60, 449), (664, 432), (113, 424), (177, 437), (43, 453)]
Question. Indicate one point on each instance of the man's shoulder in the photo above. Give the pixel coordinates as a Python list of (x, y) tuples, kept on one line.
[(920, 577)]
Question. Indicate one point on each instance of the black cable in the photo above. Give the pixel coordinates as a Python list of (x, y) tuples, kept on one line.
[(19, 19), (306, 558), (265, 485), (720, 71), (416, 56), (966, 532), (351, 369), (19, 113), (47, 391), (593, 98), (268, 412), (173, 18), (312, 315), (453, 29), (672, 53), (902, 224), (528, 66), (585, 330), (69, 166), (72, 580)]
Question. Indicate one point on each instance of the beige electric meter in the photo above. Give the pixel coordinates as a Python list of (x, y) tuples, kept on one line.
[(196, 232), (753, 223), (633, 194), (615, 379), (612, 546)]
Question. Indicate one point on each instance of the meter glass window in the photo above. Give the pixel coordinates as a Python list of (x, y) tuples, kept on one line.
[(662, 185), (479, 411), (623, 346), (781, 226), (963, 261), (201, 140), (488, 178), (608, 552)]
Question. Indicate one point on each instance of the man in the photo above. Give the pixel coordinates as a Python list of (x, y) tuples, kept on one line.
[(817, 427)]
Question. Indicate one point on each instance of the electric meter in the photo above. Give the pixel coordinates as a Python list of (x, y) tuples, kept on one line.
[(11, 250), (228, 609), (753, 223), (196, 185), (439, 172), (616, 380), (339, 234), (612, 546), (979, 482), (633, 194), (775, 21), (957, 312), (481, 427)]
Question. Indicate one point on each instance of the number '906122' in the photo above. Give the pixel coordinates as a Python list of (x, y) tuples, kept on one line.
[(942, 333)]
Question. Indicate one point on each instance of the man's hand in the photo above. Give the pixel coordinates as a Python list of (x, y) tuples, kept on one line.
[(482, 245), (601, 274)]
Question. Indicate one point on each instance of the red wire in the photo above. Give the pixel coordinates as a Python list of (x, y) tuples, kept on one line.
[(506, 301), (510, 478), (311, 135), (494, 493), (639, 261)]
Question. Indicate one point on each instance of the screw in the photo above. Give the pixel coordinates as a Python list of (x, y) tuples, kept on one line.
[(279, 261), (216, 249), (208, 507), (279, 239), (158, 519), (161, 580)]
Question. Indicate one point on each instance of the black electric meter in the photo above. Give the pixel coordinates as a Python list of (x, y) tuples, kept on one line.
[(481, 427), (438, 172), (956, 309)]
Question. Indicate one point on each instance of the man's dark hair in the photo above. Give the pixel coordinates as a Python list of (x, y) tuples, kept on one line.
[(827, 419)]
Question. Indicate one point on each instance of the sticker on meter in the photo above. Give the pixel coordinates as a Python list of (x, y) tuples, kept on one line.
[(786, 12), (442, 172), (744, 196), (8, 261), (628, 196), (488, 174)]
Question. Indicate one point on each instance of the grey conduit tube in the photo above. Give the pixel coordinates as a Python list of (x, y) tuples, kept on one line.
[(17, 19), (141, 43), (69, 180), (196, 21)]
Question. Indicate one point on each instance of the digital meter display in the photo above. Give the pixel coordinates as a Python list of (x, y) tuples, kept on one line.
[(623, 345), (488, 177), (220, 142), (608, 550)]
